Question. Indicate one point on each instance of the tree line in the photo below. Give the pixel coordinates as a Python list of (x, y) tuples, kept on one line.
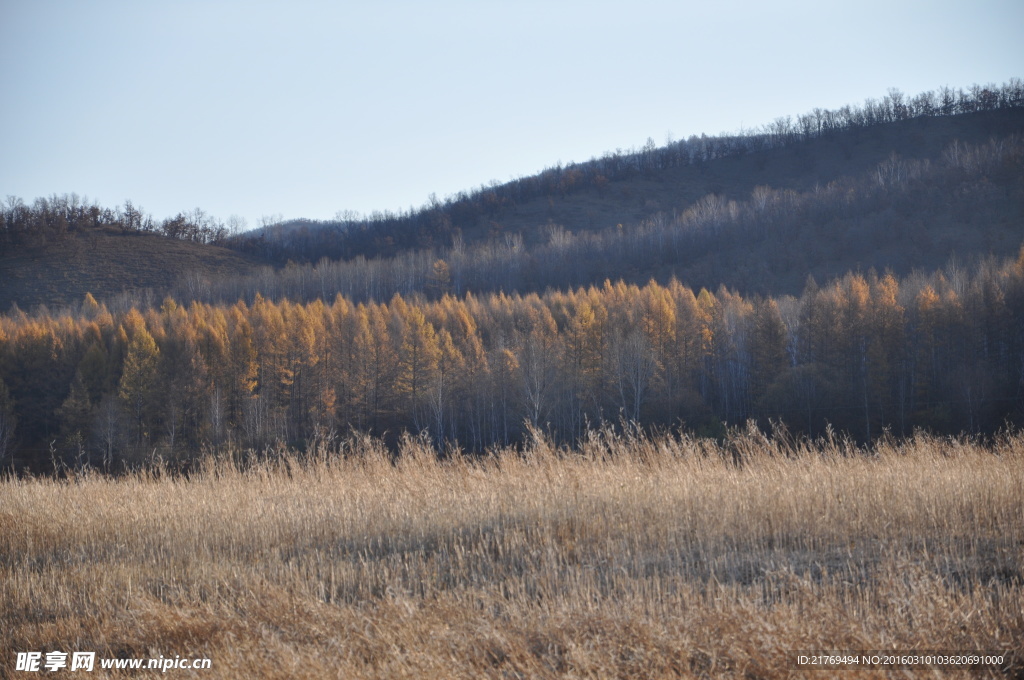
[(52, 219), (864, 354)]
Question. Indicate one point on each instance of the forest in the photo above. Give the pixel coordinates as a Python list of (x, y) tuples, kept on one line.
[(888, 300), (866, 354)]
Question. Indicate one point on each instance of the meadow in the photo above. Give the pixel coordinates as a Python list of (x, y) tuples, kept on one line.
[(627, 556)]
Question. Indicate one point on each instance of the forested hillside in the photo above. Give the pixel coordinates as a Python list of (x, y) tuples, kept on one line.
[(859, 270), (864, 354), (56, 249), (902, 214), (627, 187), (897, 183)]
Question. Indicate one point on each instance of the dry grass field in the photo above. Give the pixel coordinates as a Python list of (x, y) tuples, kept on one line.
[(627, 557)]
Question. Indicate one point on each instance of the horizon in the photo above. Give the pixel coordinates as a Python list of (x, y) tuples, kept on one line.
[(276, 110)]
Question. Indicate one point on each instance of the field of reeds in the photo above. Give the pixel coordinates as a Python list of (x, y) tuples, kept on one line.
[(625, 557)]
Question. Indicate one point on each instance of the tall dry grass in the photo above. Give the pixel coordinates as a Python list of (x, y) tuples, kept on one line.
[(627, 557)]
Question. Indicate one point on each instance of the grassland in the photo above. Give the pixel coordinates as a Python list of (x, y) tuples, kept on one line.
[(627, 557)]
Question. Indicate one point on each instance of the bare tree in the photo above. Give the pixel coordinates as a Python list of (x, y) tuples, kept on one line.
[(6, 435), (635, 365), (109, 428)]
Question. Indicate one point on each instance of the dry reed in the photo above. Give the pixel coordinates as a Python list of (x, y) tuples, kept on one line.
[(627, 557)]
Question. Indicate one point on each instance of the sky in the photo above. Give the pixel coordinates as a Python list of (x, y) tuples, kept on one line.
[(302, 108)]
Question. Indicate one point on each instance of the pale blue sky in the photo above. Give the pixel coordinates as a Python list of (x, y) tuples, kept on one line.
[(305, 108)]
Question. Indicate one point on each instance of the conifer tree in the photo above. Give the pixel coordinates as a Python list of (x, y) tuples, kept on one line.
[(768, 356), (138, 378)]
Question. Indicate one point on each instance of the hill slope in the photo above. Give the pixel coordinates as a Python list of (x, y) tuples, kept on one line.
[(961, 200), (625, 189), (759, 213), (107, 262)]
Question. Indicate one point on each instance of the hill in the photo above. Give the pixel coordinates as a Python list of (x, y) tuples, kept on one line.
[(629, 188), (954, 191), (898, 184), (107, 262)]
